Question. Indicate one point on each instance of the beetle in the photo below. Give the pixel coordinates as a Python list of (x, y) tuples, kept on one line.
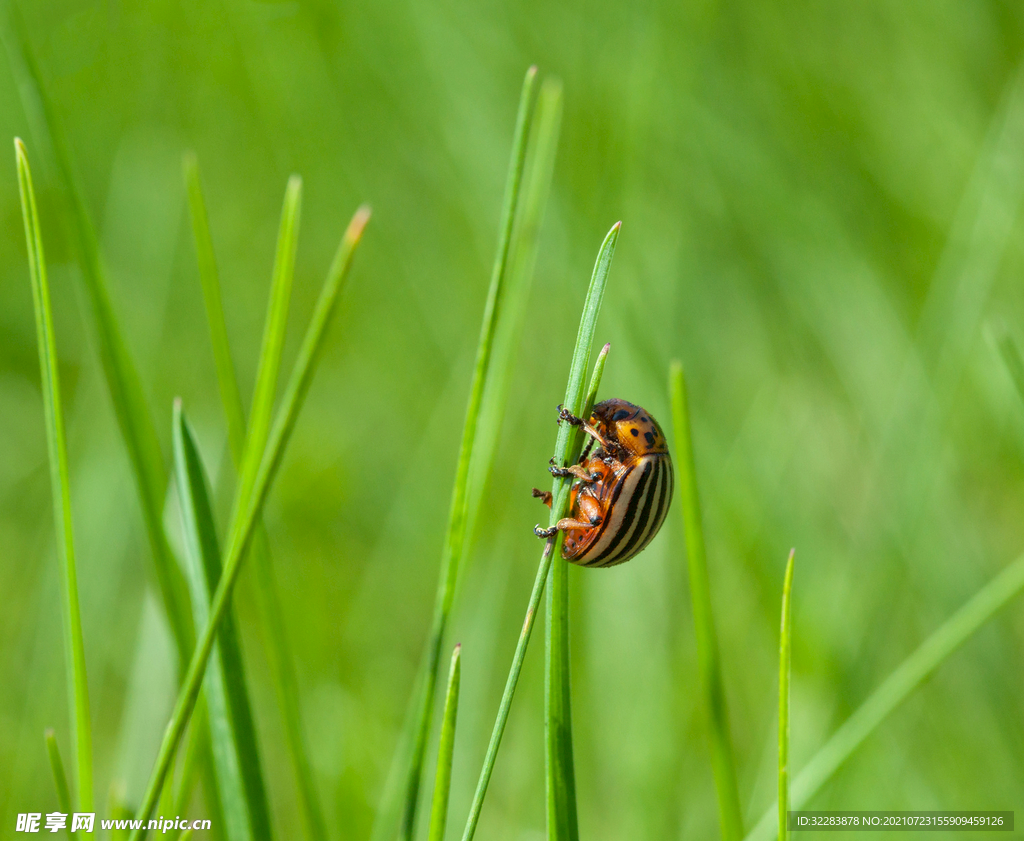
[(622, 490)]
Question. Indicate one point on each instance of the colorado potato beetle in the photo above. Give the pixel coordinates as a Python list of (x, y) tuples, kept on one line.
[(622, 490)]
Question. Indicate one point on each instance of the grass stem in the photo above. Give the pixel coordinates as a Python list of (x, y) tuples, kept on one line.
[(446, 745), (60, 483), (723, 765), (568, 445), (785, 652)]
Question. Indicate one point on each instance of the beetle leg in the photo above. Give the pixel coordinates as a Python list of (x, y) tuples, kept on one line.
[(543, 496), (569, 523), (567, 416), (564, 524), (575, 470)]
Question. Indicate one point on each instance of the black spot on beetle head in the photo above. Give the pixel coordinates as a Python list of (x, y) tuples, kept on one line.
[(634, 432), (650, 438)]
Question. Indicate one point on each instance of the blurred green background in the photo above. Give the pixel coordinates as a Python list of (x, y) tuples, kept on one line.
[(821, 220)]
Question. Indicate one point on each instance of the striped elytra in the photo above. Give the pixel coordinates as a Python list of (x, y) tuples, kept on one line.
[(622, 489)]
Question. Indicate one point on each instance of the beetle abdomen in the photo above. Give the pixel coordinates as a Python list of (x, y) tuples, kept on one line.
[(636, 510)]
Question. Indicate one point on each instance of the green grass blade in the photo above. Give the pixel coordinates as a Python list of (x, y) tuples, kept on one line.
[(270, 613), (458, 513), (244, 518), (130, 408), (60, 779), (785, 652), (227, 380), (60, 485), (722, 762), (134, 418), (273, 337), (232, 732), (559, 765), (540, 162), (446, 745), (197, 753), (907, 677), (567, 449)]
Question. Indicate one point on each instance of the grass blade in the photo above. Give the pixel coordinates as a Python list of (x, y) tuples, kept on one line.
[(270, 613), (907, 677), (209, 278), (785, 650), (245, 515), (273, 338), (722, 764), (60, 779), (443, 778), (568, 445), (539, 168), (60, 485), (133, 416), (560, 773), (459, 511), (232, 732)]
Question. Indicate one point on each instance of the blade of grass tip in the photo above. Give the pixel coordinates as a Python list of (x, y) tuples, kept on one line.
[(785, 650), (60, 779), (907, 677), (243, 521), (273, 337), (722, 764), (539, 168), (567, 449), (270, 616), (133, 416), (227, 381), (60, 485), (458, 512), (232, 732), (445, 747)]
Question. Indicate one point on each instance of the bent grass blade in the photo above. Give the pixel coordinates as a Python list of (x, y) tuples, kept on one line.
[(60, 483)]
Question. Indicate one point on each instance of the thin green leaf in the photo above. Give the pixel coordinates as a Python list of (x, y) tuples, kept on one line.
[(785, 651), (539, 168), (227, 381), (198, 756), (567, 449), (232, 732), (60, 485), (907, 677), (245, 516), (123, 383), (445, 747), (60, 779), (269, 609), (273, 338), (459, 516), (723, 766)]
